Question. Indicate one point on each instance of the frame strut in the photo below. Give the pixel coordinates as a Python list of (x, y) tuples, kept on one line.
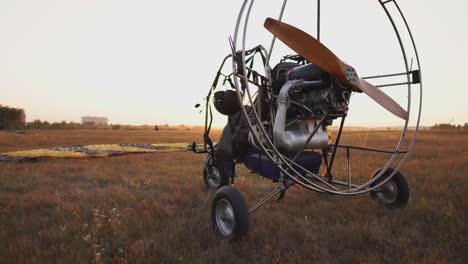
[(332, 158), (317, 127), (349, 168), (342, 183), (318, 20), (279, 189), (393, 84), (372, 149), (272, 45), (386, 75)]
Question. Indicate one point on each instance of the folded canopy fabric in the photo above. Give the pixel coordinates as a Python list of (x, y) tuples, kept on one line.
[(99, 151)]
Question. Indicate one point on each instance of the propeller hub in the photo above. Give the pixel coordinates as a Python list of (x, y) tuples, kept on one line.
[(351, 74)]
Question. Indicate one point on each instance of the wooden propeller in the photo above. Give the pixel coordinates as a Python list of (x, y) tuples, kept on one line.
[(315, 52)]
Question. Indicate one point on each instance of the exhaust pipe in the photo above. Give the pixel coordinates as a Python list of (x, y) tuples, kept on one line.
[(292, 140)]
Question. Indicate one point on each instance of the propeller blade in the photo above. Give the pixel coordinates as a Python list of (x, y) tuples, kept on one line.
[(308, 47), (318, 54), (381, 98)]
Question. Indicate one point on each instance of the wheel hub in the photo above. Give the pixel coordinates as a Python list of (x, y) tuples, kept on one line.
[(213, 175), (388, 193), (225, 219)]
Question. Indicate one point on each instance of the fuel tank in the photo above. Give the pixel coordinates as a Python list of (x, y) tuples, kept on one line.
[(259, 163)]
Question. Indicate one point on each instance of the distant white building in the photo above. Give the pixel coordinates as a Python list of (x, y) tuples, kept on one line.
[(94, 120)]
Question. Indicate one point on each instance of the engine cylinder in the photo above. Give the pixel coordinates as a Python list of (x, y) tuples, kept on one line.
[(293, 139)]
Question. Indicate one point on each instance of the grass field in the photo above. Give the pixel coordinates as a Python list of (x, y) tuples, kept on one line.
[(154, 208)]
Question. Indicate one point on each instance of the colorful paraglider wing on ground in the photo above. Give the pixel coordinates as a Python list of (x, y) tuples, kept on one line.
[(90, 151)]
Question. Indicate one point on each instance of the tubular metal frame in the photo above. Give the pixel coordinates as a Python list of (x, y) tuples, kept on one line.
[(291, 170)]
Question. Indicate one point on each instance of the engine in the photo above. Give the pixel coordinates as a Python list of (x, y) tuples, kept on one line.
[(318, 95), (306, 101), (305, 95)]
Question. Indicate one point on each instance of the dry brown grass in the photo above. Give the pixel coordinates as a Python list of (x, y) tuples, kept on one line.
[(154, 208)]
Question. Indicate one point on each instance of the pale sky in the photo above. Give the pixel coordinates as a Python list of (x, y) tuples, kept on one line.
[(149, 62)]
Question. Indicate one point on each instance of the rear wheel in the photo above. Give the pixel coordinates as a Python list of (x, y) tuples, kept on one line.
[(229, 214), (213, 174), (394, 193)]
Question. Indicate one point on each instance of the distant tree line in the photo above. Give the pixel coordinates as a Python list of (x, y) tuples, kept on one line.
[(450, 127), (38, 124), (15, 118), (12, 118)]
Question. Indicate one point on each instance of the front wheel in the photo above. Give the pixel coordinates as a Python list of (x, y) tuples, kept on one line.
[(229, 214), (394, 193)]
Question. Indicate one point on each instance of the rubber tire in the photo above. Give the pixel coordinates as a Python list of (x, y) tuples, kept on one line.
[(402, 186), (224, 179), (241, 212)]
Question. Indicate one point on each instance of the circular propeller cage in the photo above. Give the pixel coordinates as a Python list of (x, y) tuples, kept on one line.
[(286, 165)]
